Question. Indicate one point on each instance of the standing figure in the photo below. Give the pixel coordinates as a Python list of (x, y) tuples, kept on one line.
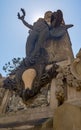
[(37, 65), (36, 31), (49, 27)]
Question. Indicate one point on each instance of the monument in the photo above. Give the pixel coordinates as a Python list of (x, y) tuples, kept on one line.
[(49, 63)]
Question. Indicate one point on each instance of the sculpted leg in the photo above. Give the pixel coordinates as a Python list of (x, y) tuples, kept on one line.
[(28, 77)]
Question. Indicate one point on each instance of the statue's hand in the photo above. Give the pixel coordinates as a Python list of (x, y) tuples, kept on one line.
[(20, 17), (23, 14), (23, 11)]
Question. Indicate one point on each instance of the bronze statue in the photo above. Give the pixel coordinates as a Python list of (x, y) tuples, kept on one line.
[(36, 30), (50, 26), (32, 74)]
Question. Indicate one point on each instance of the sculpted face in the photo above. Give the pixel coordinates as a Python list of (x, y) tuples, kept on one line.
[(47, 17)]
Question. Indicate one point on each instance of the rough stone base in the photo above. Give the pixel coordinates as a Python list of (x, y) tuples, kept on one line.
[(48, 124), (67, 117)]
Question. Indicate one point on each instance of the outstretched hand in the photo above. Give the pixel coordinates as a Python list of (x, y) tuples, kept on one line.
[(23, 14)]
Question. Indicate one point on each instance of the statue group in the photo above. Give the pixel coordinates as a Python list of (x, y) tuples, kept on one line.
[(37, 68), (49, 63)]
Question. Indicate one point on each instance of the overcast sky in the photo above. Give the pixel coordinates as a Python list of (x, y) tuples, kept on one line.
[(13, 33)]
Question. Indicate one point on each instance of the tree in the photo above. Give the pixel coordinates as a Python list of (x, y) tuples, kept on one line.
[(12, 66)]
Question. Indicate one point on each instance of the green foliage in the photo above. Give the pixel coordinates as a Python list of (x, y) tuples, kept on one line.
[(10, 66)]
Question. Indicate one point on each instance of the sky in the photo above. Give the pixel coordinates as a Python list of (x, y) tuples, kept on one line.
[(13, 34)]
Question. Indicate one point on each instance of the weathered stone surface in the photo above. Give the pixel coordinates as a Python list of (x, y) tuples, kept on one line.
[(53, 99), (67, 85), (4, 102), (76, 66), (60, 50), (1, 81), (67, 117), (48, 123), (27, 117), (16, 103)]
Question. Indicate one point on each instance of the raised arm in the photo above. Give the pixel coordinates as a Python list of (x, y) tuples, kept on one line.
[(22, 19), (27, 24)]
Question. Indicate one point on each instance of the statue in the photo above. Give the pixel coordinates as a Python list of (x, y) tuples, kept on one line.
[(50, 26), (35, 30), (33, 74)]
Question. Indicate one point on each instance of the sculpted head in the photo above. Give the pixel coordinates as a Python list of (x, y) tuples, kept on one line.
[(47, 17)]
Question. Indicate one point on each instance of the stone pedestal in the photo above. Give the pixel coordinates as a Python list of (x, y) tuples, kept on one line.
[(67, 117)]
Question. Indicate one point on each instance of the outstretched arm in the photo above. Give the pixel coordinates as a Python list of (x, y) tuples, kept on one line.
[(69, 26), (22, 19)]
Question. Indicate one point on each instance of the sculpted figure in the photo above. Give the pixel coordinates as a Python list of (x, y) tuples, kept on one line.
[(34, 73), (49, 27), (36, 30), (56, 30), (35, 65)]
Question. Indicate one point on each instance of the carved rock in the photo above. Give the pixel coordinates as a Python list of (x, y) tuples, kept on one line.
[(66, 77), (76, 66)]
